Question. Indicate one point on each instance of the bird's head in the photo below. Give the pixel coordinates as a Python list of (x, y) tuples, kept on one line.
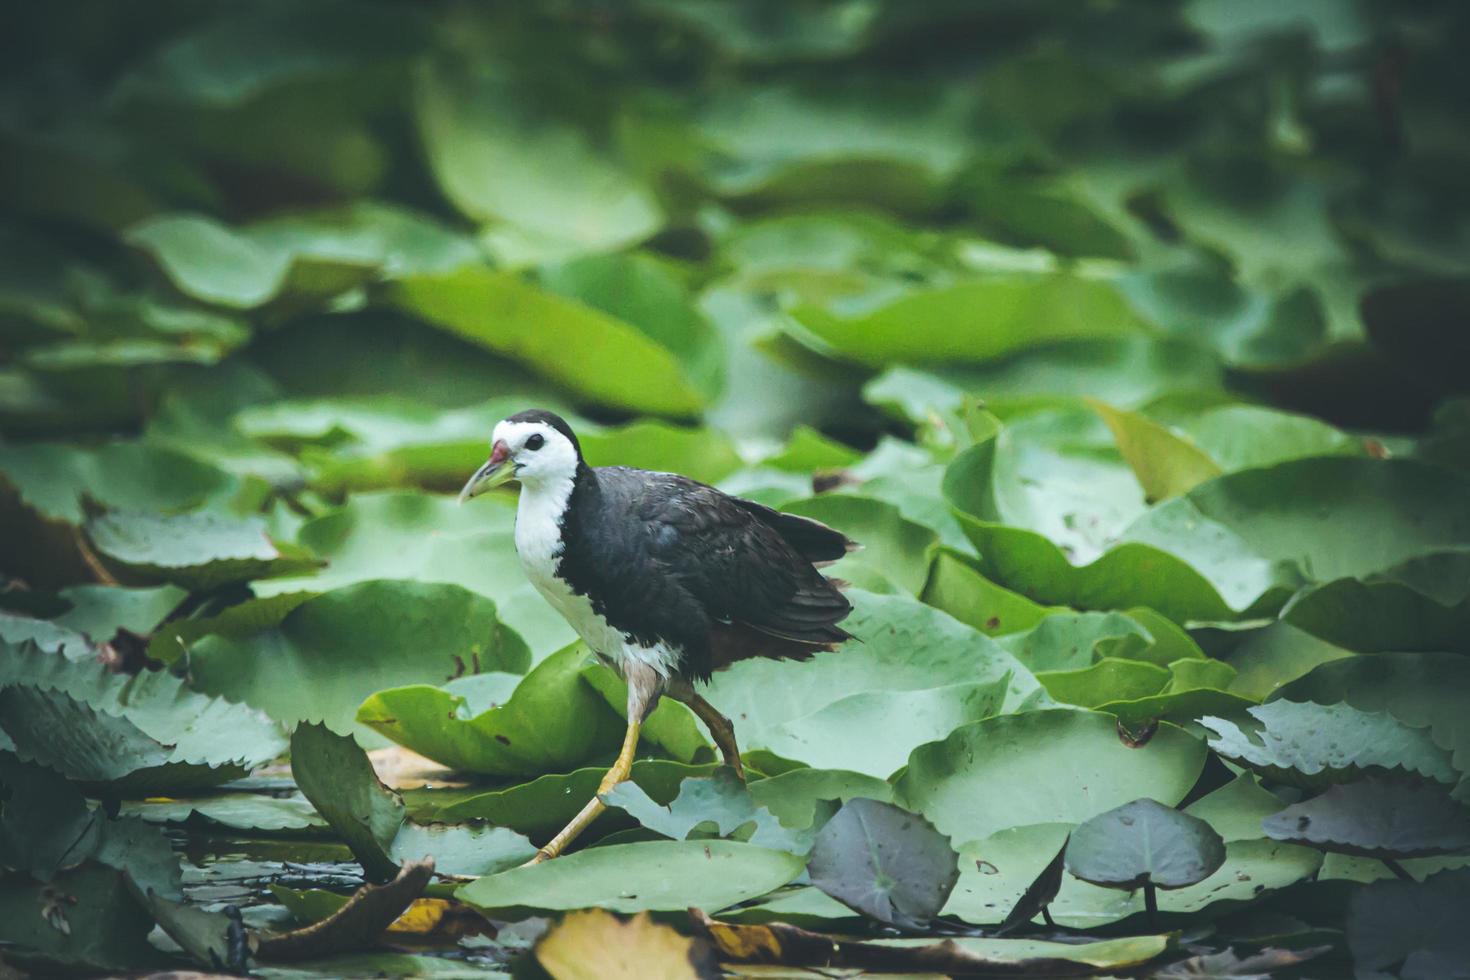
[(536, 447)]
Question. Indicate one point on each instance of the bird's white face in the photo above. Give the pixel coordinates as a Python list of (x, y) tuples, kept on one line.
[(539, 455), (534, 453)]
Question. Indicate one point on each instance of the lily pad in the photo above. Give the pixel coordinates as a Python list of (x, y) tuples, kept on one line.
[(1314, 745), (904, 646), (553, 721), (650, 876), (1047, 766), (426, 538), (885, 862), (976, 321), (179, 738), (198, 551), (543, 806), (1144, 842), (895, 550), (52, 478), (335, 775), (504, 313), (550, 186), (332, 651), (1422, 690), (1376, 818), (718, 804), (838, 735)]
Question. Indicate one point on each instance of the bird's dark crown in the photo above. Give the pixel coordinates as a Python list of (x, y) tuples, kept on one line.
[(552, 419)]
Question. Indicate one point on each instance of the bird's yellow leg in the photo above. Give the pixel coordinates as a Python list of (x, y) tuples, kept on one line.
[(720, 728), (643, 693), (619, 772)]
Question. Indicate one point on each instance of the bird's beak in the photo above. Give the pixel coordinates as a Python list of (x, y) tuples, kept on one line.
[(497, 471)]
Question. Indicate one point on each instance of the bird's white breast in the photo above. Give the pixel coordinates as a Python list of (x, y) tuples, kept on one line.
[(539, 545)]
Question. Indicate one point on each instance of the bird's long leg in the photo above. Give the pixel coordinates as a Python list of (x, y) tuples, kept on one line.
[(720, 727), (642, 695)]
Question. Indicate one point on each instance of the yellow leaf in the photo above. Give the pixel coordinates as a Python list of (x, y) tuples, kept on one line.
[(1166, 464), (596, 945)]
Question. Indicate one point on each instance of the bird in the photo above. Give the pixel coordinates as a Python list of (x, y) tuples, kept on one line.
[(665, 579)]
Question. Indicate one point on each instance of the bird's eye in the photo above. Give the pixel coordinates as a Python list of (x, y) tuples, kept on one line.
[(535, 442)]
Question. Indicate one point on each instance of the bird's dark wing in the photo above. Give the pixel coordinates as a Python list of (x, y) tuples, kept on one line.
[(744, 565)]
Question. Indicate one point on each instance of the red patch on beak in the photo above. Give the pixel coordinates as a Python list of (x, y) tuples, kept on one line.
[(499, 452)]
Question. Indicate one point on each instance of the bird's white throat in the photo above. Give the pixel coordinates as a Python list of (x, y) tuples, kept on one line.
[(539, 543)]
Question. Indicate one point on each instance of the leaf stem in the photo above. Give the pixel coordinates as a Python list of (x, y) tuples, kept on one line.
[(1151, 904), (1398, 869)]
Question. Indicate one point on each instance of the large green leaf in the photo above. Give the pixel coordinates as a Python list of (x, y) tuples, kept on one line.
[(501, 154), (332, 651), (1376, 818), (553, 721), (657, 875), (541, 807), (1421, 690), (179, 737), (53, 478), (1144, 842), (838, 735), (320, 252), (1041, 767), (1422, 604), (428, 539), (335, 775), (198, 551), (885, 862), (905, 647), (895, 551), (1309, 744), (976, 321), (504, 313)]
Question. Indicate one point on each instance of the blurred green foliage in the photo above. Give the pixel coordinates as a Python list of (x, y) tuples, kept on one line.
[(1132, 340)]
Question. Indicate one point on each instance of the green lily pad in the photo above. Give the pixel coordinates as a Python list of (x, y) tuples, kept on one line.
[(52, 478), (335, 775), (543, 806), (333, 650), (719, 801), (905, 646), (1110, 679), (554, 721), (884, 862), (654, 875), (1422, 690), (1144, 842), (958, 588), (839, 735), (149, 729), (895, 550), (198, 551), (1413, 606), (1044, 766), (237, 811), (551, 189), (1376, 818), (428, 538), (976, 321), (511, 317), (99, 611), (794, 796), (1314, 745), (1411, 925)]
